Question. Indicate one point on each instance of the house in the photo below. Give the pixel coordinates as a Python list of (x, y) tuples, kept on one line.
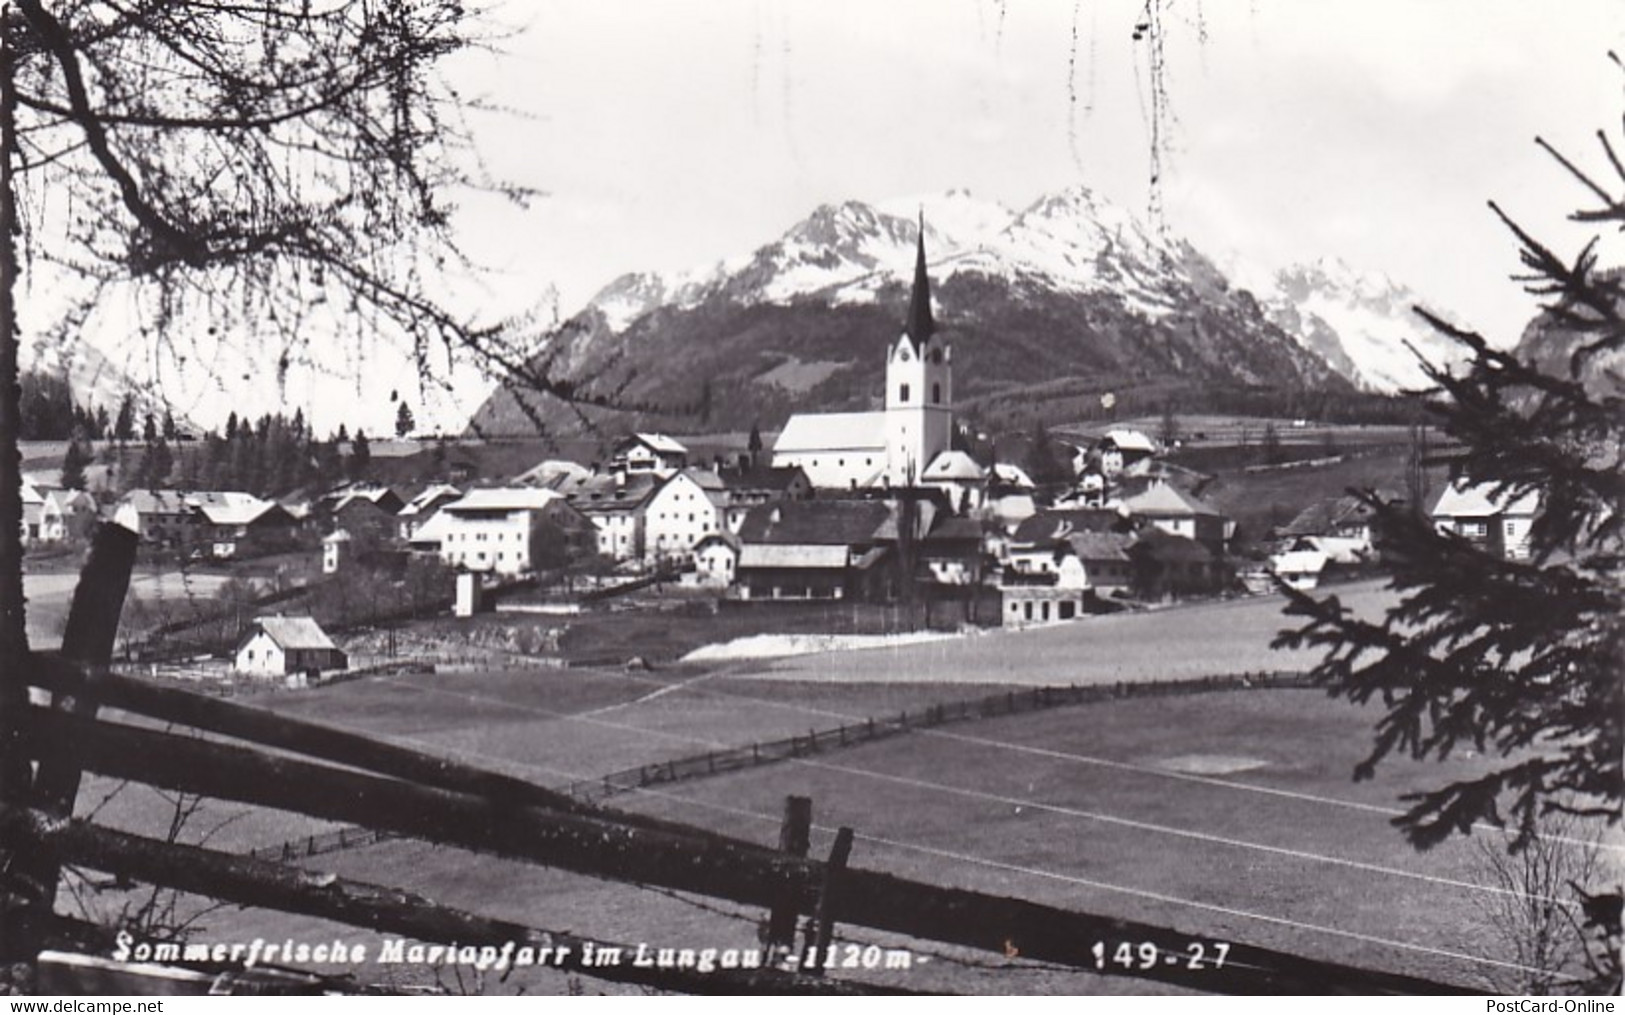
[(65, 515), (897, 445), (280, 645), (423, 507), (1038, 599), (1181, 514), (953, 552), (687, 506), (1301, 569), (335, 550), (1033, 546), (1340, 526), (956, 474), (617, 507), (509, 531), (816, 549), (1496, 521), (1104, 558), (750, 485), (649, 453), (233, 524), (1120, 449), (337, 501), (716, 560), (551, 473), (1168, 566), (160, 517)]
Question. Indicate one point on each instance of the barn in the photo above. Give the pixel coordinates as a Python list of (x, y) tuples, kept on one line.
[(279, 645)]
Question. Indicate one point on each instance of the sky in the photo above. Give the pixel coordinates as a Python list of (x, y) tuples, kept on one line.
[(669, 135)]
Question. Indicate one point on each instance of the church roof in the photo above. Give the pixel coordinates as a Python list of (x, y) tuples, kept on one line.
[(833, 431), (920, 326)]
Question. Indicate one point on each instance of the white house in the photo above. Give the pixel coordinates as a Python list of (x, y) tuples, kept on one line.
[(894, 446), (423, 507), (687, 507), (507, 530), (648, 452), (66, 514), (278, 645), (716, 559), (956, 474), (1496, 521), (1120, 449)]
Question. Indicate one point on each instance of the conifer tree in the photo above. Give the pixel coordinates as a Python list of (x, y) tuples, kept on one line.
[(73, 465), (1519, 659)]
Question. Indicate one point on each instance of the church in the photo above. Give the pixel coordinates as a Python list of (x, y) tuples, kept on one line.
[(894, 446)]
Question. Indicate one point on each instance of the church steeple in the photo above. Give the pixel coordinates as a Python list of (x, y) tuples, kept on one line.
[(920, 326)]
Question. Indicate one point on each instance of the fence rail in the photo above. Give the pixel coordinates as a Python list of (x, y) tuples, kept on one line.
[(1013, 702)]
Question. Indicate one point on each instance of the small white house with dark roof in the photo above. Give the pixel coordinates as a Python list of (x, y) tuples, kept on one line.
[(1494, 520), (278, 645), (648, 452)]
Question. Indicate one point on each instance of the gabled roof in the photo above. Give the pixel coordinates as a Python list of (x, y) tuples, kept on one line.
[(229, 507), (822, 522), (506, 498), (1299, 562), (761, 478), (1013, 475), (156, 502), (292, 632), (1164, 500), (1464, 499), (370, 493), (953, 465), (1167, 547), (833, 431), (1130, 440), (1062, 523), (791, 555), (656, 442), (553, 472), (606, 492), (66, 501), (1099, 546), (1324, 516), (428, 498), (955, 529)]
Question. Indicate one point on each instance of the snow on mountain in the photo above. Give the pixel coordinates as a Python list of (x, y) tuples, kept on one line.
[(1360, 322)]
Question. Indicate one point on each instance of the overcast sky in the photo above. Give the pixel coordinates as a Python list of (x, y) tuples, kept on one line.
[(671, 134)]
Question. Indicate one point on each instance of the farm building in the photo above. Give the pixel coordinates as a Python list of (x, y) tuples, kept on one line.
[(1492, 520), (815, 549), (652, 453), (279, 645)]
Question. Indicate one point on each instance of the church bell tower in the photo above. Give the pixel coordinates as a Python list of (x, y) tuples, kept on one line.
[(919, 386)]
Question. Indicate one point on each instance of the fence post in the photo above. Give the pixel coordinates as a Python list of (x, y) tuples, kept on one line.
[(824, 919), (795, 838), (87, 640)]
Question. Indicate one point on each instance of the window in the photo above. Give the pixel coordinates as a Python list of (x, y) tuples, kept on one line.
[(902, 393), (936, 394)]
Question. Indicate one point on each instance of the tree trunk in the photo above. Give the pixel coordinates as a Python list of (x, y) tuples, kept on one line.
[(14, 770)]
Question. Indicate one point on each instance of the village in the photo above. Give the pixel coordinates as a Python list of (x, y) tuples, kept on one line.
[(902, 506)]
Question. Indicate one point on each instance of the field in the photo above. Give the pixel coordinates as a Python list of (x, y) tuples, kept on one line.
[(1228, 815)]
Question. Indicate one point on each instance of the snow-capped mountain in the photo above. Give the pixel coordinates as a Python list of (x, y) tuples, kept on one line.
[(1360, 323), (1070, 292)]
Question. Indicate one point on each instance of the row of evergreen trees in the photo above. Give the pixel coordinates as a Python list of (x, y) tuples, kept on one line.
[(268, 457)]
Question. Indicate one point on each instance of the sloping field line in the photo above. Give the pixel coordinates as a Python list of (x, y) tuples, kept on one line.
[(816, 741), (722, 760), (349, 838)]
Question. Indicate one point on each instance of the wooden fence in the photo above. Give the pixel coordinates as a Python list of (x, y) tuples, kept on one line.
[(262, 759)]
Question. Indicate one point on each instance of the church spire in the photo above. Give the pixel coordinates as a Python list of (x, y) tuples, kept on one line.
[(920, 326)]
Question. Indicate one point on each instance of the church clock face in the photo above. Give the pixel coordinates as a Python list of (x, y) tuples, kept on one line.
[(906, 356)]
